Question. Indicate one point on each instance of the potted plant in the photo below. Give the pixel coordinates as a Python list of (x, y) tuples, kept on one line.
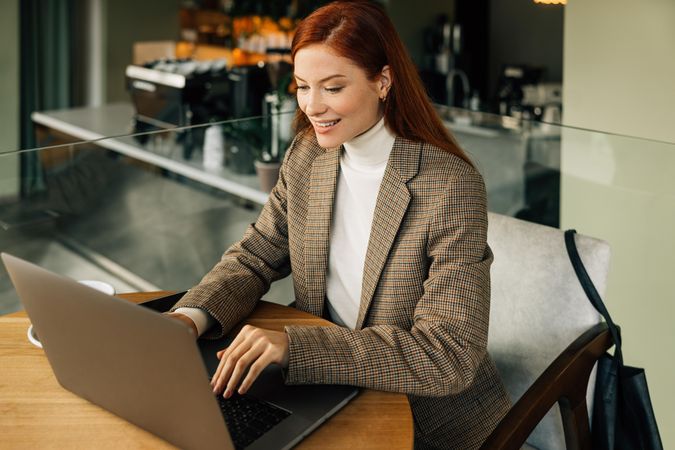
[(244, 141)]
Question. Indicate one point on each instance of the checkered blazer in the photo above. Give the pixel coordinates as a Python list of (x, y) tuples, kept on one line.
[(423, 321)]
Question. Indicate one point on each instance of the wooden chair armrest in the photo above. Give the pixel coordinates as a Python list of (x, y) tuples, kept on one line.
[(564, 381)]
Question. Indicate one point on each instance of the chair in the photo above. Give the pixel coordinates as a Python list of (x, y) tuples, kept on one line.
[(545, 336)]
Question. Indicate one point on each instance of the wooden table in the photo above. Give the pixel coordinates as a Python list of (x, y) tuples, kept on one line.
[(36, 412)]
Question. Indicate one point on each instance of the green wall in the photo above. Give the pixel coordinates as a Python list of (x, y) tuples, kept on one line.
[(9, 93), (619, 77), (620, 66)]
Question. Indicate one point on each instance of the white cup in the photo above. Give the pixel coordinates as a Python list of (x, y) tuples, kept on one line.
[(32, 337), (102, 286), (214, 148)]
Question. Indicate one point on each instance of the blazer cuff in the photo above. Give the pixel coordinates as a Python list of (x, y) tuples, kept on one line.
[(310, 356)]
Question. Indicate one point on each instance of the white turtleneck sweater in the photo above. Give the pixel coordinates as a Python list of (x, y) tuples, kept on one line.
[(362, 166)]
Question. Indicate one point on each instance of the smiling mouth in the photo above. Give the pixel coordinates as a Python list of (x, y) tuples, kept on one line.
[(326, 124)]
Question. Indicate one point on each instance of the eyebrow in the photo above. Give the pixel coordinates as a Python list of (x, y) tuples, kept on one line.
[(323, 79)]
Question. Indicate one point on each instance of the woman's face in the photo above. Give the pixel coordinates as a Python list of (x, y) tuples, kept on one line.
[(335, 94)]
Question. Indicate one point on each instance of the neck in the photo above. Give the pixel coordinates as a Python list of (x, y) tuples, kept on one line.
[(371, 147)]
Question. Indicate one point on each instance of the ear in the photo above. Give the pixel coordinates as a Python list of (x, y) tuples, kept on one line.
[(385, 81)]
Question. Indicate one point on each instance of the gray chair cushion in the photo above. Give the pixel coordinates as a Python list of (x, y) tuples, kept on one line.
[(538, 306), (528, 447)]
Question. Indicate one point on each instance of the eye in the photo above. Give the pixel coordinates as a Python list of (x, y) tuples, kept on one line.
[(302, 87), (334, 90)]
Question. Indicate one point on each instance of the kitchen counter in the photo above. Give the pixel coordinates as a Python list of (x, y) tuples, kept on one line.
[(109, 126)]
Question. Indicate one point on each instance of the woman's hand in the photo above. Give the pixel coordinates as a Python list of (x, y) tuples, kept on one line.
[(185, 319), (252, 349)]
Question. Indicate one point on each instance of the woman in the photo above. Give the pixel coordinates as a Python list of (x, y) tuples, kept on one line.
[(381, 219)]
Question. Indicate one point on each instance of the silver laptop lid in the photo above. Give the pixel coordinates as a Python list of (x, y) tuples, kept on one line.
[(132, 361)]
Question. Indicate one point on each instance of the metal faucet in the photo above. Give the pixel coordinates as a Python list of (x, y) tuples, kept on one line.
[(450, 87)]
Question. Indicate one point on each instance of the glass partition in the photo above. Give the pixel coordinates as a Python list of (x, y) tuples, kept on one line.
[(87, 162), (143, 212), (519, 159), (155, 210), (617, 188)]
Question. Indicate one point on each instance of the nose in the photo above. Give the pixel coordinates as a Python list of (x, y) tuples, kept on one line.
[(315, 105)]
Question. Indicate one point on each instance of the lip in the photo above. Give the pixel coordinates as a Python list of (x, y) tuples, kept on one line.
[(323, 129)]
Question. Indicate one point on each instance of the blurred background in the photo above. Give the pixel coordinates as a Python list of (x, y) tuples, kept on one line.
[(139, 139)]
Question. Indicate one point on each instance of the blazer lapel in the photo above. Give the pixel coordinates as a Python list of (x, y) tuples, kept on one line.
[(323, 182), (392, 204)]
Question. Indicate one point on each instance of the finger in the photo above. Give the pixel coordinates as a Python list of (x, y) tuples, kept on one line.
[(224, 353), (253, 372), (221, 364), (216, 375), (228, 364), (240, 368), (224, 366)]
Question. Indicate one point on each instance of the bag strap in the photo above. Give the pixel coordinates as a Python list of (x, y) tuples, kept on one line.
[(591, 291)]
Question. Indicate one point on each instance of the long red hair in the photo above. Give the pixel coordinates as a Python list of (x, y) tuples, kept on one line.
[(361, 31)]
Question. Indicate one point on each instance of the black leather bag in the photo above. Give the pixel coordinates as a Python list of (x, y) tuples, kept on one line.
[(623, 417)]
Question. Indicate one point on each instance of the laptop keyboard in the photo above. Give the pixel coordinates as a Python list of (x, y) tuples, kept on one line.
[(248, 418)]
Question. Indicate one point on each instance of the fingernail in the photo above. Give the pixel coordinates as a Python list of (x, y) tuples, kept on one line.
[(228, 393)]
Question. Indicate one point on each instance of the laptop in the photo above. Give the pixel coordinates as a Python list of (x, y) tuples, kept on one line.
[(150, 370)]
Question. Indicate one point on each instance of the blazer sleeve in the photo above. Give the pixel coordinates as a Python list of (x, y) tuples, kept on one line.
[(230, 291), (441, 353)]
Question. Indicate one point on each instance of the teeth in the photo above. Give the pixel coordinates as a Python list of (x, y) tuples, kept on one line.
[(326, 124)]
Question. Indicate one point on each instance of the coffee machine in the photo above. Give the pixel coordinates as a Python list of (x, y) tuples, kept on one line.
[(178, 93), (512, 80)]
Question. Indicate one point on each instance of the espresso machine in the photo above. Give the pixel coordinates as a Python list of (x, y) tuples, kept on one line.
[(178, 93), (510, 88)]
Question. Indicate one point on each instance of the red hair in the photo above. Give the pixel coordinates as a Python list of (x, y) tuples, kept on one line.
[(362, 32)]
